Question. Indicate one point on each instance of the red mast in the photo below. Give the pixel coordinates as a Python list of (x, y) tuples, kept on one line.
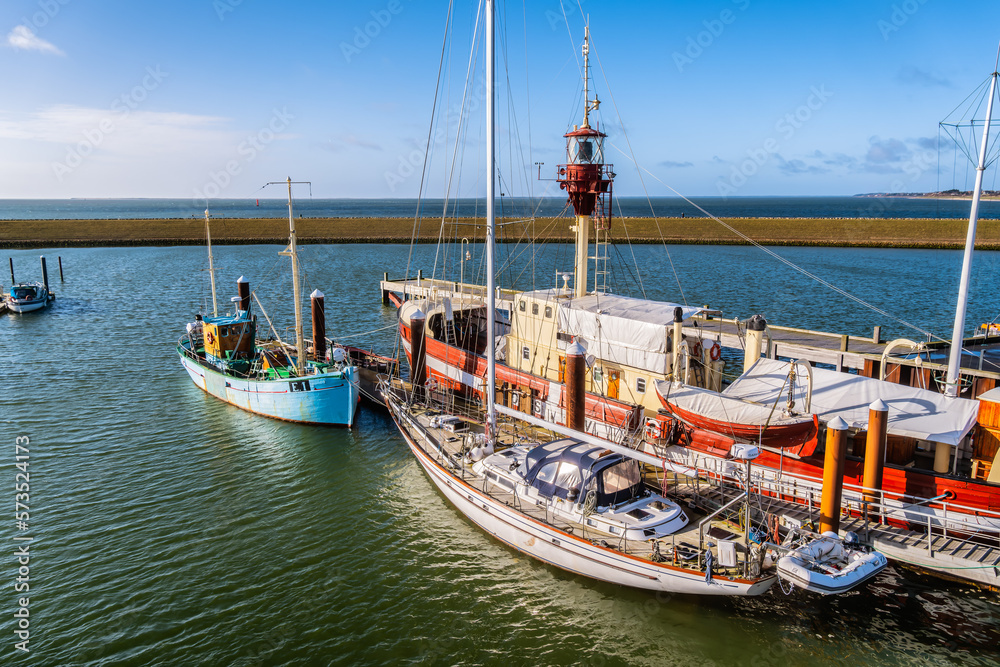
[(585, 177)]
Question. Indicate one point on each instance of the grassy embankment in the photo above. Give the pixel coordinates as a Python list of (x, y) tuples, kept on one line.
[(769, 231)]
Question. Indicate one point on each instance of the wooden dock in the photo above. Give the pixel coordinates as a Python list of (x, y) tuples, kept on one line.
[(961, 557), (839, 351)]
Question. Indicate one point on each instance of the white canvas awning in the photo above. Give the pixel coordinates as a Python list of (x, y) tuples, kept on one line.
[(913, 412), (721, 407), (623, 330)]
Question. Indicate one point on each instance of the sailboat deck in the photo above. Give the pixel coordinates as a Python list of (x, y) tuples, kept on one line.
[(680, 547)]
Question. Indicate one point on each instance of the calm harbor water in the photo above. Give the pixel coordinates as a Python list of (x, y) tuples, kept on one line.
[(171, 529), (747, 207)]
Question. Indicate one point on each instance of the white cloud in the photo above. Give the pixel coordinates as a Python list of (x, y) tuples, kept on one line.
[(74, 151), (23, 39), (125, 131)]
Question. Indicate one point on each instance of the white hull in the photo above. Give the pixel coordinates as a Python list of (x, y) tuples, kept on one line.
[(800, 568), (556, 547), (16, 307)]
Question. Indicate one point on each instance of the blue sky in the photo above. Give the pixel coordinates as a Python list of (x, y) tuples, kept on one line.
[(114, 98)]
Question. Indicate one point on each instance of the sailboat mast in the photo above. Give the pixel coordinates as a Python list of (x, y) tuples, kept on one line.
[(958, 332), (292, 250), (491, 372), (211, 265)]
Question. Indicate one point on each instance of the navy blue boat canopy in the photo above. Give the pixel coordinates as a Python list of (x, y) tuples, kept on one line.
[(564, 467)]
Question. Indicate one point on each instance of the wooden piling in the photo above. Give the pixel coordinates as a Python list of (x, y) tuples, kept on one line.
[(319, 325), (13, 281), (243, 288), (833, 475), (878, 423), (754, 336), (61, 278), (576, 370), (418, 365)]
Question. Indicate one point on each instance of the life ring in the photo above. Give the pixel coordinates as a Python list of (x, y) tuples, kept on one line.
[(210, 338), (716, 352), (696, 349), (430, 384)]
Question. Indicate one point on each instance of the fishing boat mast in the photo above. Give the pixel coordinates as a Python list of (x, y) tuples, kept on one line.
[(211, 265), (958, 332), (300, 345), (491, 372)]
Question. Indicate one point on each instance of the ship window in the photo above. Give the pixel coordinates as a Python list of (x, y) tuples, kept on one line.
[(525, 353), (548, 311), (586, 150), (640, 385), (598, 374), (223, 332), (534, 309), (520, 306), (558, 479), (619, 478)]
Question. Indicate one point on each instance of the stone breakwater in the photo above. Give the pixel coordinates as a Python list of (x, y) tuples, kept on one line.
[(838, 232)]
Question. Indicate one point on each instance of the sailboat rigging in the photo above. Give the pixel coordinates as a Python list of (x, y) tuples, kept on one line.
[(578, 502), (225, 357)]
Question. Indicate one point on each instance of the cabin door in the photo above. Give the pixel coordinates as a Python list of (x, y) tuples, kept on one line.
[(613, 384)]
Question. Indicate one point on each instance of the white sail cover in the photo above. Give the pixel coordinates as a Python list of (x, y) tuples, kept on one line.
[(913, 412), (623, 330)]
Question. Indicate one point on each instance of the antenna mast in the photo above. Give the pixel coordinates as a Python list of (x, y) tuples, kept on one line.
[(211, 265)]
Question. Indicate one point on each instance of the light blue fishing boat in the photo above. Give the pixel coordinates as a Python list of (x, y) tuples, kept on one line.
[(223, 355)]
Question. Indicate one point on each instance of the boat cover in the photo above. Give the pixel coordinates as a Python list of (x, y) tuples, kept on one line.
[(913, 412), (720, 407), (622, 329)]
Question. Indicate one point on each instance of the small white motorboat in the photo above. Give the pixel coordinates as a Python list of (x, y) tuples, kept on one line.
[(829, 565), (26, 297)]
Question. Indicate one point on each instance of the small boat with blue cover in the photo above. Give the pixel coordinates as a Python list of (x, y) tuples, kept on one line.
[(25, 297)]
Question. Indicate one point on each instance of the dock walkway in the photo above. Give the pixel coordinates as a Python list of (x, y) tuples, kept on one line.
[(970, 558), (840, 351)]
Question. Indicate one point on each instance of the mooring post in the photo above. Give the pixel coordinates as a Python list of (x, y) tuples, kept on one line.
[(833, 475), (385, 293), (12, 280), (61, 279)]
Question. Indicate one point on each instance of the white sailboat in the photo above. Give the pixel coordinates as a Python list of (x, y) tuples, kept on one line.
[(578, 503)]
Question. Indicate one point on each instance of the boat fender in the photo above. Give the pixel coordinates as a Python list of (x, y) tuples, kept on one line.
[(715, 352), (672, 432)]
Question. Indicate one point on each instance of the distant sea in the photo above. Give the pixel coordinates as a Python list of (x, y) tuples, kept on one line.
[(726, 207)]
